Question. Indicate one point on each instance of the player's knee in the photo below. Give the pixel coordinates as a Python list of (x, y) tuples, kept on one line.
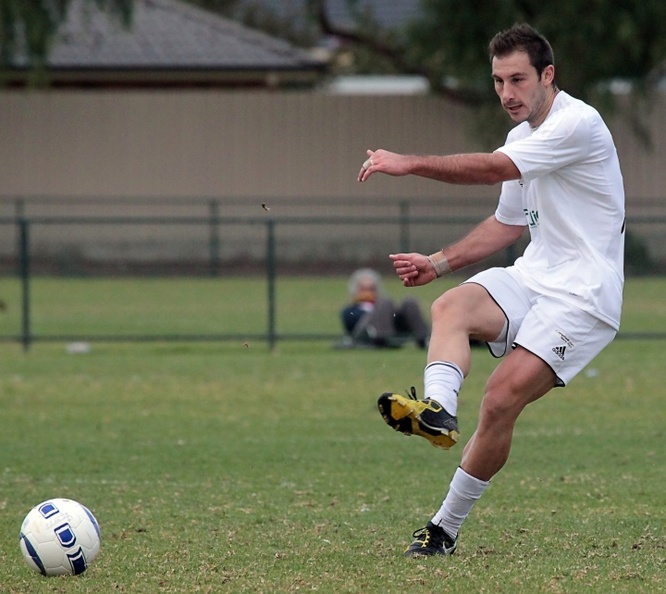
[(500, 402), (492, 406), (447, 307)]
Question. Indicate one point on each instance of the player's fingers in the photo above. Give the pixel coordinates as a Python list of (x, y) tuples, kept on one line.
[(407, 280), (403, 266), (406, 272), (365, 173), (399, 257), (366, 168)]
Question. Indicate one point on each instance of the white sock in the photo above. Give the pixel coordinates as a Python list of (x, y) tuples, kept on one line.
[(464, 491), (442, 381)]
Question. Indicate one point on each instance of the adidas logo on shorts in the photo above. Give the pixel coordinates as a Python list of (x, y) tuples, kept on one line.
[(559, 351)]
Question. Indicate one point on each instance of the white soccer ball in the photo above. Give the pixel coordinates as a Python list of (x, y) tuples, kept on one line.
[(59, 537)]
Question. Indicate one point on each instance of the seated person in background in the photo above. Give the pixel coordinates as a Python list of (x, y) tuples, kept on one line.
[(373, 319)]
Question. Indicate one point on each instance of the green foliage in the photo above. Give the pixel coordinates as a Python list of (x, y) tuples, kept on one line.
[(27, 29), (594, 41), (637, 257), (226, 7)]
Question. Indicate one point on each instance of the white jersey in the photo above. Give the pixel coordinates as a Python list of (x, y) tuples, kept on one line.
[(571, 196)]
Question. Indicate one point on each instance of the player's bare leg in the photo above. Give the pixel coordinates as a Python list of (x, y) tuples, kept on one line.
[(519, 380), (467, 310)]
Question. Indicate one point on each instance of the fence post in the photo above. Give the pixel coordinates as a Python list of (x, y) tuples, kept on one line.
[(19, 213), (213, 238), (270, 279), (24, 259)]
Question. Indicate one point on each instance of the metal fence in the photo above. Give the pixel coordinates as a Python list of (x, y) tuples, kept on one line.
[(294, 245)]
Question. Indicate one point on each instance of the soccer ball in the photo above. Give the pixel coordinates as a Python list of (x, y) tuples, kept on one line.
[(59, 537)]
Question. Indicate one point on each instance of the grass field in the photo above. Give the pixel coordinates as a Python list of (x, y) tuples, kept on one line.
[(223, 467), (118, 307)]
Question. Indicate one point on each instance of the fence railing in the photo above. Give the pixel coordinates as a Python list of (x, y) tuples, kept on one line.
[(268, 259)]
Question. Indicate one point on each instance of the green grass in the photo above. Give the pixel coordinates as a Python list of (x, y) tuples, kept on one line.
[(223, 467), (233, 306)]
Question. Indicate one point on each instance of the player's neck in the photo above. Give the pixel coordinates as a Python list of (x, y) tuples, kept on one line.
[(547, 106)]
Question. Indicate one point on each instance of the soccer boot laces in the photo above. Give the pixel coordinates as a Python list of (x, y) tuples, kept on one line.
[(426, 418), (429, 541)]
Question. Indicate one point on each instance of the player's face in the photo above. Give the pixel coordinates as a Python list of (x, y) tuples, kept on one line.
[(524, 96)]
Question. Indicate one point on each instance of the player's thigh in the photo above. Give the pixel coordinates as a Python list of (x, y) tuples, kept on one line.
[(510, 297), (469, 306), (521, 378)]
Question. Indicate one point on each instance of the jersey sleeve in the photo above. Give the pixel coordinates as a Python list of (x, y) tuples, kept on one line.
[(510, 206), (560, 141)]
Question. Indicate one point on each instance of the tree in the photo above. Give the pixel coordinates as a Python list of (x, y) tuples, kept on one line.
[(27, 27), (597, 44)]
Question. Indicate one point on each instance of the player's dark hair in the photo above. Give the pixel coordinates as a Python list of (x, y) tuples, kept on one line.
[(522, 37)]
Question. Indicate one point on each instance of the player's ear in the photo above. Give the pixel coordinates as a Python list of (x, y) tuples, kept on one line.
[(548, 75)]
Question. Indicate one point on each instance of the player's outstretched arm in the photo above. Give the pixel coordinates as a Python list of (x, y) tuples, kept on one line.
[(470, 168)]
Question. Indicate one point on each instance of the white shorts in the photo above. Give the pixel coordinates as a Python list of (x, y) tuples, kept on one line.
[(560, 334)]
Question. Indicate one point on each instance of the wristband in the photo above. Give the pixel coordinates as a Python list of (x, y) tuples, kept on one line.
[(439, 263)]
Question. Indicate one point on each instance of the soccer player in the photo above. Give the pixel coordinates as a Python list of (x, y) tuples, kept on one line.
[(551, 312)]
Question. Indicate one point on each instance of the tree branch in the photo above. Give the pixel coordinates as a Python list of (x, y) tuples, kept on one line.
[(395, 54)]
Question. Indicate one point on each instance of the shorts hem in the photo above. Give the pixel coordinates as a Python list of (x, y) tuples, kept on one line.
[(490, 343), (559, 382)]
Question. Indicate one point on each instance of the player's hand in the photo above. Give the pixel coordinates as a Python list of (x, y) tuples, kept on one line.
[(382, 161), (413, 269)]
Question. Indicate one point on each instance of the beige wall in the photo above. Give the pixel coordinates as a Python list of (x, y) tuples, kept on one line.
[(236, 144), (255, 146), (207, 143)]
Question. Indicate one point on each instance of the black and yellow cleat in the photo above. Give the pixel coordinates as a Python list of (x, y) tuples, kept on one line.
[(426, 418), (430, 541)]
